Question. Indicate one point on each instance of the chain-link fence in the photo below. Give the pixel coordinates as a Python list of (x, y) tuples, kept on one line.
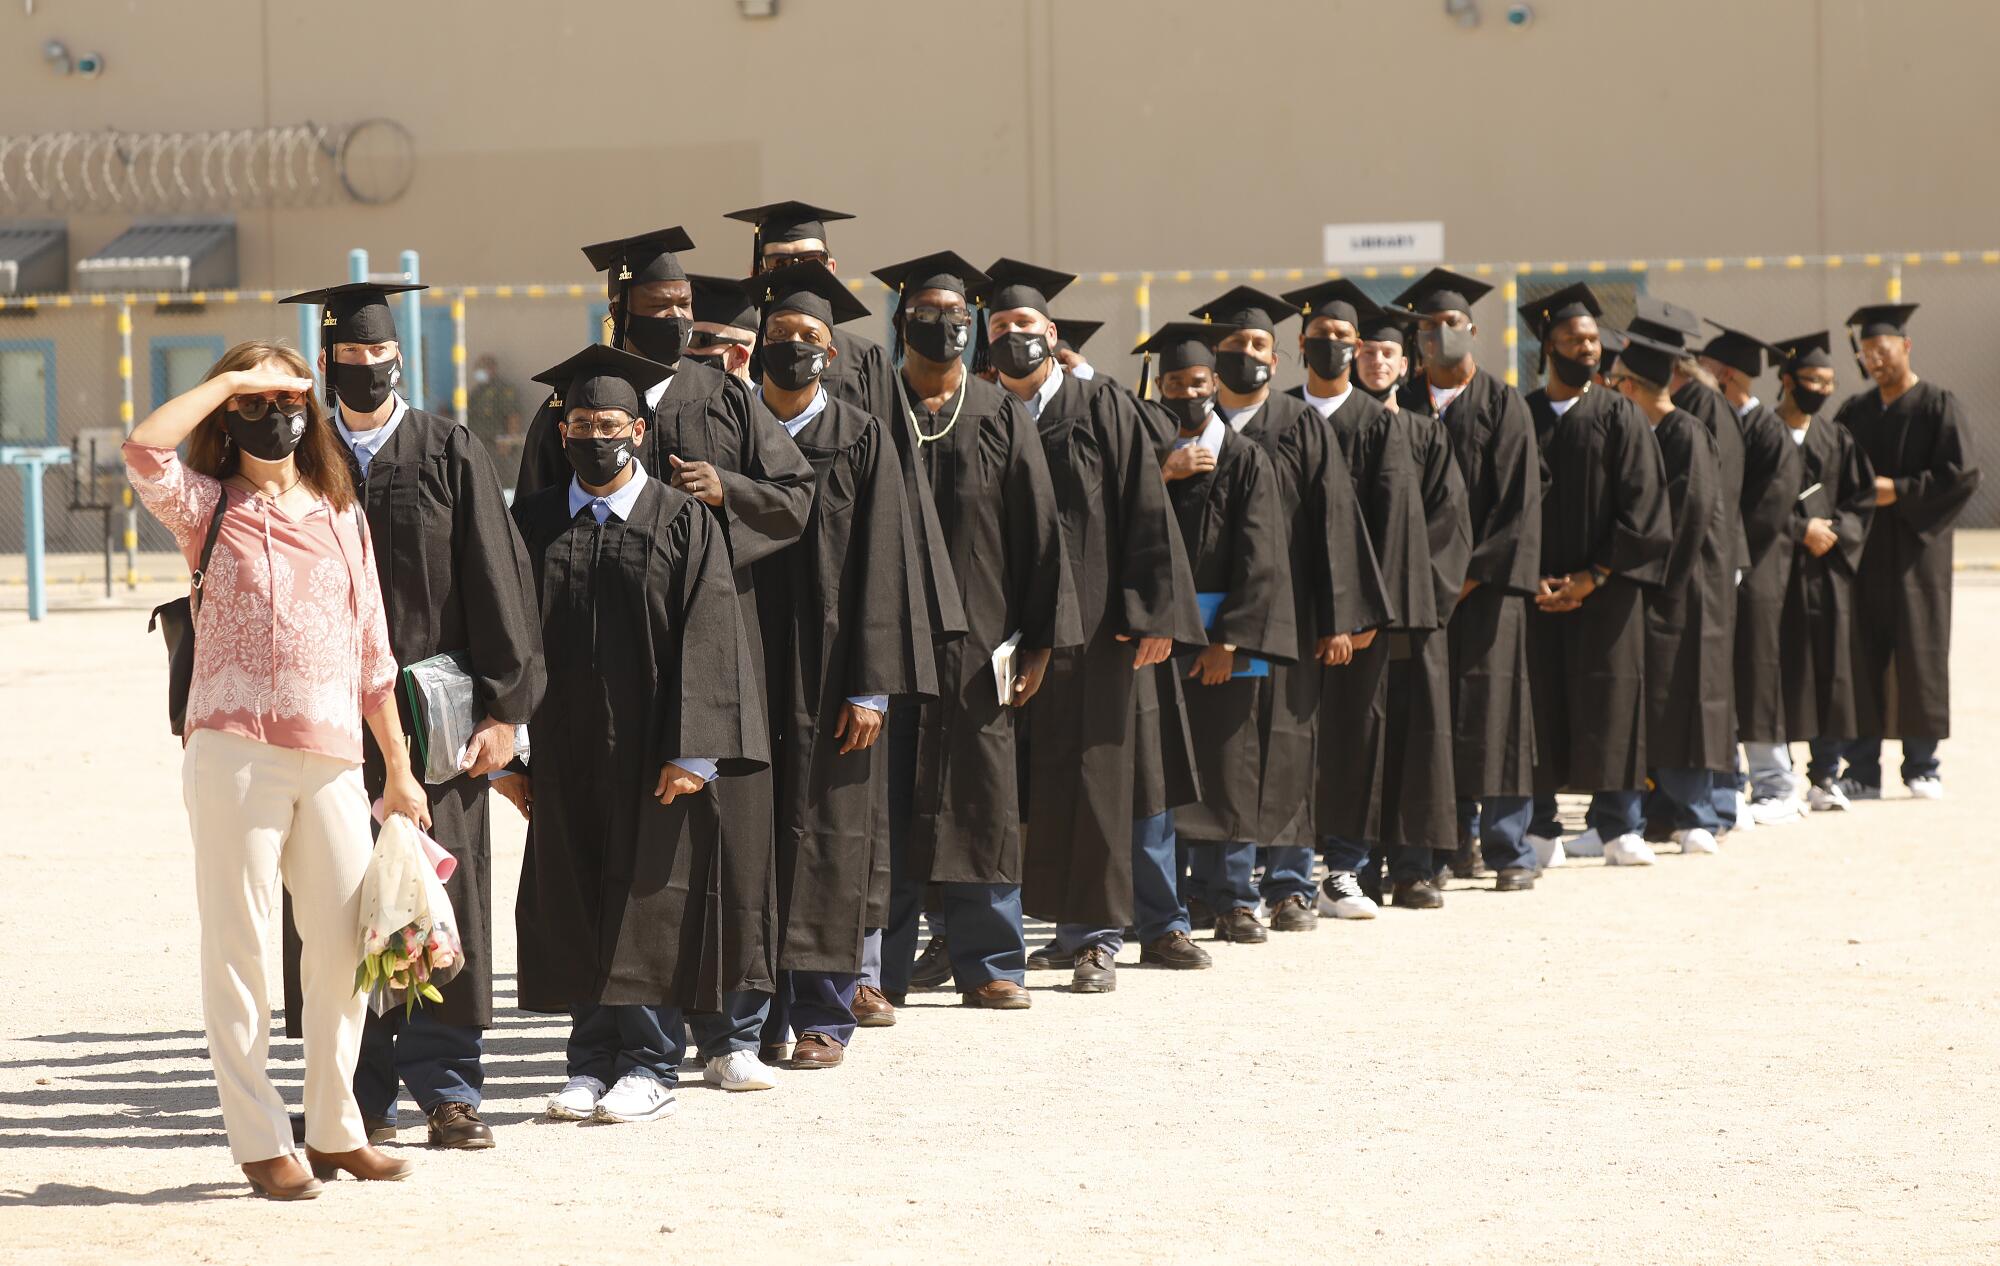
[(73, 366)]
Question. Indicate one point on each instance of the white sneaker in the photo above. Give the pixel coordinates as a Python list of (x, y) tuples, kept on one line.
[(1745, 819), (1776, 810), (1589, 844), (1340, 897), (1548, 850), (636, 1097), (1696, 840), (1926, 787), (1827, 796), (575, 1101), (738, 1070), (1626, 850)]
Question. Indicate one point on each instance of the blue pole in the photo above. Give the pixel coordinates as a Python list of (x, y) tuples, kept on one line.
[(357, 265), (309, 337), (31, 508), (411, 330)]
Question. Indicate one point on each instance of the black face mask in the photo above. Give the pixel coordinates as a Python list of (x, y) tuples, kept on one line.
[(793, 366), (1328, 357), (1241, 372), (1016, 355), (363, 388), (1190, 411), (598, 461), (1573, 374), (1446, 345), (272, 437), (658, 338), (1378, 395), (936, 340), (1808, 401)]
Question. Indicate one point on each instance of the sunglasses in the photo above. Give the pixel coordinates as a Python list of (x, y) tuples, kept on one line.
[(255, 408)]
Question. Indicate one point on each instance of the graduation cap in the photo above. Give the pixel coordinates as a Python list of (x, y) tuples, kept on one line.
[(723, 301), (941, 270), (1075, 332), (1386, 325), (1610, 342), (357, 312), (1442, 290), (630, 261), (1668, 322), (787, 221), (808, 288), (1649, 358), (1876, 319), (1247, 308), (1742, 352), (1338, 298), (1019, 285), (1807, 351), (1179, 345), (1551, 310), (602, 377)]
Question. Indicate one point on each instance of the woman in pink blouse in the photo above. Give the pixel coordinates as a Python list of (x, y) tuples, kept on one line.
[(291, 656)]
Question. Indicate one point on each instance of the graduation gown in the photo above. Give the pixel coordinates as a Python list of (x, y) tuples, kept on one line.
[(1604, 502), (1816, 661), (1384, 768), (1493, 720), (1771, 485), (1131, 579), (454, 579), (1902, 643), (1001, 537), (861, 374), (1689, 642), (1233, 526), (623, 899), (844, 615), (707, 415)]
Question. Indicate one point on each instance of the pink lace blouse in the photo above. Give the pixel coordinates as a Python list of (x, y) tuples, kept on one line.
[(291, 646)]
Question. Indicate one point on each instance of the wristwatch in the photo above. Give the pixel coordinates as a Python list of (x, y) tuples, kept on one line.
[(1598, 575)]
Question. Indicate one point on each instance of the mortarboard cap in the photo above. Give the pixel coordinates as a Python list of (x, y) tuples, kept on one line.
[(1876, 319), (1552, 309), (632, 261), (723, 301), (1741, 352), (357, 312), (1807, 351), (942, 270), (1246, 308), (1442, 290), (787, 221), (1386, 325), (1019, 285), (1075, 331), (1180, 344), (1610, 342), (809, 288), (602, 377), (1668, 322), (1649, 358), (1337, 298)]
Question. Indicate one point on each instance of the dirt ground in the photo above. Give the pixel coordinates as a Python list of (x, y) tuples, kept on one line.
[(1789, 1052)]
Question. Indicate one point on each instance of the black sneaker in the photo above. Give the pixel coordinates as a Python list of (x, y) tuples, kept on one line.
[(1856, 790), (933, 967)]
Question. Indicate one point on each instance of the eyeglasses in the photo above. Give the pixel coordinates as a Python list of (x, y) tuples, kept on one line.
[(708, 338), (254, 408), (955, 318), (774, 262), (601, 428)]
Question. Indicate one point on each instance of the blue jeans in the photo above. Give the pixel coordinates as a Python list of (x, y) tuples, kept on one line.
[(1288, 872), (735, 1028), (1616, 813), (1405, 864), (822, 1002), (1683, 800), (1542, 820), (608, 1042), (1501, 823), (982, 928), (1726, 795), (1864, 759), (897, 954), (1220, 875), (1156, 901), (438, 1062)]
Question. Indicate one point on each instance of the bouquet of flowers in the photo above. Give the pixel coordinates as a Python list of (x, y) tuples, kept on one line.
[(409, 940)]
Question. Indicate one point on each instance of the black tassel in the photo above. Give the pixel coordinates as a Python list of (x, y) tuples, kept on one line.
[(1145, 374)]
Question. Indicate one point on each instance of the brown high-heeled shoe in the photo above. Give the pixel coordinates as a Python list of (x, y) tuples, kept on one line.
[(365, 1163), (282, 1178)]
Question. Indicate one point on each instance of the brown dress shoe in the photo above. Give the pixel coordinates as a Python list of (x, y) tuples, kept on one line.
[(1096, 971), (1514, 879), (1294, 914), (1241, 926), (816, 1050), (999, 995), (1175, 950), (456, 1125), (282, 1178), (365, 1163), (1418, 894), (871, 1009)]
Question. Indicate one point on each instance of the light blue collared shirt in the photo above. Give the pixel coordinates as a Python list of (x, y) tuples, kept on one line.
[(1046, 392), (1210, 437), (620, 503), (874, 703), (365, 444)]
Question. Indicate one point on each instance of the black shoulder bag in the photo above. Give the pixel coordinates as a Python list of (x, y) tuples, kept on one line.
[(175, 620)]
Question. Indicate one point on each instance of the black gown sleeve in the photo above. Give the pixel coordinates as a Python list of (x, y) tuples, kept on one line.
[(542, 460), (1044, 597), (1349, 592), (1509, 550), (1257, 616), (1770, 482), (711, 707), (1928, 501), (766, 502), (1154, 582), (1641, 520), (1687, 457), (1446, 516), (943, 598), (890, 648), (495, 586), (1854, 500)]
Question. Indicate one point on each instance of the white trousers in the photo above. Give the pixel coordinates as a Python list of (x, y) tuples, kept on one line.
[(261, 813)]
